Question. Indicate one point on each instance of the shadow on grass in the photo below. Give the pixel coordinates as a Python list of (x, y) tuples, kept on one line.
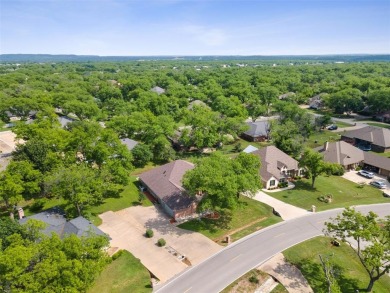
[(314, 274)]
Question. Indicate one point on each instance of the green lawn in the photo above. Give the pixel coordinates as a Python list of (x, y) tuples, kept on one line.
[(341, 124), (377, 124), (345, 193), (129, 197), (320, 137), (352, 275), (123, 275), (250, 213)]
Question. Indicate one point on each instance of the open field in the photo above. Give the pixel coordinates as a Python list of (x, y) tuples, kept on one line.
[(344, 192), (249, 217), (123, 275), (352, 275)]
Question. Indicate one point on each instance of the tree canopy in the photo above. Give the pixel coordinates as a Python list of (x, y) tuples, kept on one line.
[(221, 180)]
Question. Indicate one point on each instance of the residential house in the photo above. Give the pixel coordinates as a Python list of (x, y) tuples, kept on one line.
[(351, 157), (276, 166), (158, 90), (164, 184), (316, 102), (258, 131), (64, 121), (377, 138), (342, 153), (56, 222), (129, 143)]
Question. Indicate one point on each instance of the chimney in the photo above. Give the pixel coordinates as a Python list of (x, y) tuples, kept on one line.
[(326, 145)]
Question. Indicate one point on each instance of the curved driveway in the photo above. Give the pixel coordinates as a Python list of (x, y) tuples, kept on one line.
[(217, 272)]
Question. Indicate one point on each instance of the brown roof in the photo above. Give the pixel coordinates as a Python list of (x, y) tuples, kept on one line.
[(165, 183), (272, 160), (342, 153), (377, 161), (376, 135)]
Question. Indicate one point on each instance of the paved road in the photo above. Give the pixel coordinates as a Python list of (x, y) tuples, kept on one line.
[(217, 272)]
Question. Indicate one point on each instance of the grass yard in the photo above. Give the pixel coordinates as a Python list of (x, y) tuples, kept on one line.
[(247, 218), (129, 197), (123, 275), (352, 275), (341, 124), (377, 124), (320, 137), (345, 193)]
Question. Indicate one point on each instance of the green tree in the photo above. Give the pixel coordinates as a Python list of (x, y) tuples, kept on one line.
[(11, 190), (379, 100), (230, 177), (368, 236), (313, 162), (77, 184), (141, 155)]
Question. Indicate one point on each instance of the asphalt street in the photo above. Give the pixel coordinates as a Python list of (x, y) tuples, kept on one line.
[(218, 271)]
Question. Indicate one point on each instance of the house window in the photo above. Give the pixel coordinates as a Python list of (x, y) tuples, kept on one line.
[(272, 183)]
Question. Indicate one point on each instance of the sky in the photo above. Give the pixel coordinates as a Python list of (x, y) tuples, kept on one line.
[(189, 27)]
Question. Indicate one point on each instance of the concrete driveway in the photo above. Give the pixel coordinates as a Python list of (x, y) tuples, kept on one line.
[(355, 177), (127, 228), (286, 211)]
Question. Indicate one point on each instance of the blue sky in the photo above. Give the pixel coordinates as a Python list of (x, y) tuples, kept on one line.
[(186, 27)]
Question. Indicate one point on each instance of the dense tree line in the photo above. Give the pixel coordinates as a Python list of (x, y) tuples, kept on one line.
[(204, 104)]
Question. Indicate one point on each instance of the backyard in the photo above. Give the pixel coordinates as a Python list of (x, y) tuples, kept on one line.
[(352, 275), (343, 192)]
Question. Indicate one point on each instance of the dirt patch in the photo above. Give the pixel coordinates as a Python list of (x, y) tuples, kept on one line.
[(244, 285)]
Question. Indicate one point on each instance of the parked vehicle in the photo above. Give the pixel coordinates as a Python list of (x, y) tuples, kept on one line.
[(366, 174), (378, 184), (332, 127), (364, 147)]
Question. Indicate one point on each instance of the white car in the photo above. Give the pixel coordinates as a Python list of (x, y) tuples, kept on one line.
[(378, 184), (366, 174)]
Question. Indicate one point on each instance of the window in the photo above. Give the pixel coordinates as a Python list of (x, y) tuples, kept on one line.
[(272, 183)]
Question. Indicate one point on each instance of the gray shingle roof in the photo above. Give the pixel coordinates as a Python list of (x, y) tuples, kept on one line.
[(129, 143), (57, 223), (64, 120), (165, 182), (158, 90), (272, 160), (376, 135), (377, 161), (258, 128)]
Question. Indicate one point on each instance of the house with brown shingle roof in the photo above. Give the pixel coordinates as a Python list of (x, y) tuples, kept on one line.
[(342, 153), (276, 166), (351, 157), (164, 184), (376, 137)]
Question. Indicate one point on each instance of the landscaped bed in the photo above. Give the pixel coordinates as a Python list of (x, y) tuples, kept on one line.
[(247, 218), (344, 193), (352, 275)]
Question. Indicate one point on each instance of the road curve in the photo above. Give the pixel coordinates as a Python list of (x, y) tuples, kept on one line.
[(218, 271)]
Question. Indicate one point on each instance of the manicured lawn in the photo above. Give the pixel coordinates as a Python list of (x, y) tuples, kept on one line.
[(352, 275), (341, 124), (345, 193), (123, 275), (129, 197), (320, 137), (379, 124), (230, 148), (251, 213)]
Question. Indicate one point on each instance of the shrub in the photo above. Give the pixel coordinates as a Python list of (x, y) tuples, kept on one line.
[(38, 205), (253, 279), (149, 233), (117, 254), (282, 184), (161, 242)]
